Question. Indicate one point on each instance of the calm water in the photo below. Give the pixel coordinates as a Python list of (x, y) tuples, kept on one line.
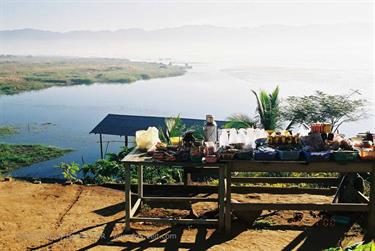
[(64, 116)]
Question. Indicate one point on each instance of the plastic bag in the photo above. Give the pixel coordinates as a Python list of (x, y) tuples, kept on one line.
[(146, 139), (223, 139), (233, 136)]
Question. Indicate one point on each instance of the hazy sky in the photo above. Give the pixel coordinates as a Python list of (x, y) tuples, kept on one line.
[(65, 15)]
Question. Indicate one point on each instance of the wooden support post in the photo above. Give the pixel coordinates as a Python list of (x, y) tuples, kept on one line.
[(101, 146), (371, 214), (140, 182), (126, 141), (228, 200), (221, 195), (187, 177), (128, 204)]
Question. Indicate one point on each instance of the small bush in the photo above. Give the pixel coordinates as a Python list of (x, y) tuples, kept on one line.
[(70, 170)]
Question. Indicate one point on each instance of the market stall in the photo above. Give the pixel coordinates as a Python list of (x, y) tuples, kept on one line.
[(246, 150)]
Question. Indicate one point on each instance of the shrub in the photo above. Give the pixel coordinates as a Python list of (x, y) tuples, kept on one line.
[(70, 170)]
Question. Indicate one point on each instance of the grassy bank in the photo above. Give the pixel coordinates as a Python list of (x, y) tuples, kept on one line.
[(16, 156), (20, 74)]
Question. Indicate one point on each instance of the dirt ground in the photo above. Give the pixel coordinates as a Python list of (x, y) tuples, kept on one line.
[(75, 217)]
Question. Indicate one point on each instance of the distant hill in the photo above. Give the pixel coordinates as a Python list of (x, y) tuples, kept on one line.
[(196, 42)]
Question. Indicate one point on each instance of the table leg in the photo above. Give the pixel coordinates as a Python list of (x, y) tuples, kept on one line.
[(128, 204), (140, 182), (228, 200), (371, 215), (187, 178), (221, 196)]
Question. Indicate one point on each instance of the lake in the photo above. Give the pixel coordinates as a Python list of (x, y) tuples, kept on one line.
[(64, 116)]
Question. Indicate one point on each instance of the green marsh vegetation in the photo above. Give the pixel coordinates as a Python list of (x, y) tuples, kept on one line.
[(16, 156), (7, 130), (19, 74)]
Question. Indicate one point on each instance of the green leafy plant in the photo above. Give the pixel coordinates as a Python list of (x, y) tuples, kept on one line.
[(102, 171), (355, 247), (120, 155), (268, 108), (198, 132), (174, 127), (239, 121), (260, 224), (70, 170), (323, 107)]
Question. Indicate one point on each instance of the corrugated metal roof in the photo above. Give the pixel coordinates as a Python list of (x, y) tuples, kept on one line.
[(127, 125)]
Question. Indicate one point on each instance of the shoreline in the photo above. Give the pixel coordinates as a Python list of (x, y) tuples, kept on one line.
[(37, 73)]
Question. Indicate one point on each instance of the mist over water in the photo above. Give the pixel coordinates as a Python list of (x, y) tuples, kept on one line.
[(220, 82)]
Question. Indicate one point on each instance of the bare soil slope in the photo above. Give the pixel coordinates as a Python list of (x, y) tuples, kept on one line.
[(57, 217)]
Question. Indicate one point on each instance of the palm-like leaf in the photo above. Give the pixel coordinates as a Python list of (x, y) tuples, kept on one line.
[(268, 108), (260, 106), (239, 121)]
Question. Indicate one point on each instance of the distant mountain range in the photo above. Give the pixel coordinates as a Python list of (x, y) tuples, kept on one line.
[(193, 41), (197, 32)]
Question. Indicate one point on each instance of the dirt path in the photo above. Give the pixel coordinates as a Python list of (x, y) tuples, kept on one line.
[(57, 217)]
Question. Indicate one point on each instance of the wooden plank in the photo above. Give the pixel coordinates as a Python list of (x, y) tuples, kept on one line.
[(274, 180), (180, 188), (228, 202), (371, 216), (355, 207), (177, 221), (137, 157), (127, 199), (283, 190), (179, 199), (202, 169), (221, 194), (361, 197), (135, 207), (298, 166)]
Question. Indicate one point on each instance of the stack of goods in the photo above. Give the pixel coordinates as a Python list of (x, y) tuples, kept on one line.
[(322, 144), (364, 143), (286, 144), (321, 128), (246, 144), (265, 153)]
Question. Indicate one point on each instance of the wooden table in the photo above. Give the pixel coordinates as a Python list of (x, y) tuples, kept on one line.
[(140, 159), (225, 170), (366, 205)]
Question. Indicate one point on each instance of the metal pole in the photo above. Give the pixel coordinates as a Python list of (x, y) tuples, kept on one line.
[(101, 146)]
